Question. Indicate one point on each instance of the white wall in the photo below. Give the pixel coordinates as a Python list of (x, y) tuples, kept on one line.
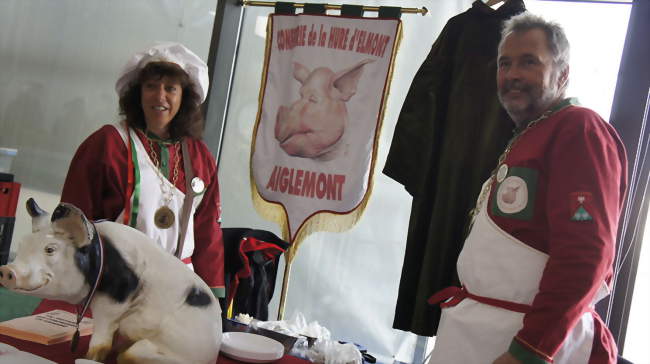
[(59, 62)]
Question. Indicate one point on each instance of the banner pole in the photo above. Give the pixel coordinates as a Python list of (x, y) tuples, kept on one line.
[(288, 259), (422, 11), (285, 288)]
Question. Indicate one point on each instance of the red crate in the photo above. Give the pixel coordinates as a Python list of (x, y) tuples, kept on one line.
[(9, 192), (9, 198)]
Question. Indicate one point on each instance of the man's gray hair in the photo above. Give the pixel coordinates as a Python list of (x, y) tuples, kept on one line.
[(557, 41)]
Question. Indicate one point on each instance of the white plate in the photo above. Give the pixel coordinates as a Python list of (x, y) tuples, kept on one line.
[(251, 348), (6, 348), (23, 357)]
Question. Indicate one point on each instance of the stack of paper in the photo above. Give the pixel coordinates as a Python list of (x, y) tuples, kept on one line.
[(46, 328)]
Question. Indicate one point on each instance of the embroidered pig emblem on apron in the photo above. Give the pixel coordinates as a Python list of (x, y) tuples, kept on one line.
[(512, 195)]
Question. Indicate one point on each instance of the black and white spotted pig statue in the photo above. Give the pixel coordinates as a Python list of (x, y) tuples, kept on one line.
[(145, 294)]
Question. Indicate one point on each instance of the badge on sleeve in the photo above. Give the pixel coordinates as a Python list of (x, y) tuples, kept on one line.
[(580, 205), (197, 185), (515, 194)]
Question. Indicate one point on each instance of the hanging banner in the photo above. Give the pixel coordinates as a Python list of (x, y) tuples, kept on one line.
[(324, 88)]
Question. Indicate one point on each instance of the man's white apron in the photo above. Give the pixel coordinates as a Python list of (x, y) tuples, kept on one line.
[(151, 199), (494, 264)]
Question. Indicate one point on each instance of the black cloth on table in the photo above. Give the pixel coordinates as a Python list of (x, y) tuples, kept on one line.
[(253, 293)]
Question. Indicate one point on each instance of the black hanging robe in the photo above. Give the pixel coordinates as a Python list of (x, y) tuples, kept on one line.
[(448, 137)]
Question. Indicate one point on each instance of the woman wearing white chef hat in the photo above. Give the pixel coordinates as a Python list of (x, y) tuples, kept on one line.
[(139, 171)]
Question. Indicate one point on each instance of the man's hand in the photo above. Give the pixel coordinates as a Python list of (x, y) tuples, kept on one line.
[(506, 358)]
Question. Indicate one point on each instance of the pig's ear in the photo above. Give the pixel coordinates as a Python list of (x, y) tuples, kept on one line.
[(39, 216), (300, 72), (345, 82), (69, 220)]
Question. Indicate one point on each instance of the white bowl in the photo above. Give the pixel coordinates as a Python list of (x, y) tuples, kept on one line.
[(251, 348)]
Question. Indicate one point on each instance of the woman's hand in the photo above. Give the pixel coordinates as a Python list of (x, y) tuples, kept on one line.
[(506, 358)]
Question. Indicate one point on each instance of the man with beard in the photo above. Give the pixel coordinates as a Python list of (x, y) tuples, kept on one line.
[(540, 251)]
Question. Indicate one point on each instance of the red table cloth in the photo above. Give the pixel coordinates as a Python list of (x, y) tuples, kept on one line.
[(61, 354)]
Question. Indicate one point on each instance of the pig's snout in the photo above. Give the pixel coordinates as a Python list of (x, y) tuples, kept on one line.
[(7, 277)]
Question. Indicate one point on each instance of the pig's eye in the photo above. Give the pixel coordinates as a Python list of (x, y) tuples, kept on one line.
[(50, 249)]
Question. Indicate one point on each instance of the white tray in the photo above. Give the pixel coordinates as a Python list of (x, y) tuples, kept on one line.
[(251, 348)]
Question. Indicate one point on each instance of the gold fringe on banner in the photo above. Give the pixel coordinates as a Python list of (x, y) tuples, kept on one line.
[(270, 211), (321, 221)]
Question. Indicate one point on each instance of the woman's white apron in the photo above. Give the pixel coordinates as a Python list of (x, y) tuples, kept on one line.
[(152, 198)]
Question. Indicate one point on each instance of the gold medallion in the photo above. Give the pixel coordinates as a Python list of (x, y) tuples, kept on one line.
[(164, 217)]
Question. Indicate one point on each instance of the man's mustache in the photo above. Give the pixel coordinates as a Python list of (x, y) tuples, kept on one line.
[(515, 85)]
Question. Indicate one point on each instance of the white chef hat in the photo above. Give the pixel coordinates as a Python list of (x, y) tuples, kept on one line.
[(166, 52)]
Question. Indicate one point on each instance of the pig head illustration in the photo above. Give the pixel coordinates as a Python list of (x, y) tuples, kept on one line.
[(312, 127), (510, 195)]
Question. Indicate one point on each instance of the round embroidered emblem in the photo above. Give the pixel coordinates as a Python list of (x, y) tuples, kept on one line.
[(502, 172), (512, 195)]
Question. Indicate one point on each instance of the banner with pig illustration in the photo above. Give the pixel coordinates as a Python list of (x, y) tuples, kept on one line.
[(323, 94)]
